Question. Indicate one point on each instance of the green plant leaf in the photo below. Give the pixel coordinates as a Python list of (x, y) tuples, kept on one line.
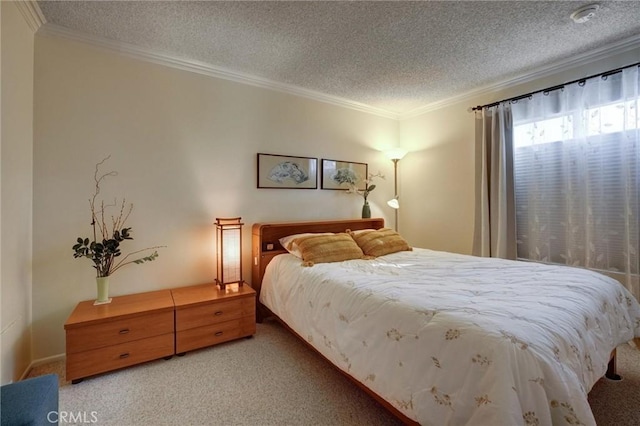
[(149, 258)]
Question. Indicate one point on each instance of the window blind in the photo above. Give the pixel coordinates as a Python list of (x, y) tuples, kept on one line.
[(572, 204)]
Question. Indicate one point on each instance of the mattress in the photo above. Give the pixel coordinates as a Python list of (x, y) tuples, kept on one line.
[(460, 340)]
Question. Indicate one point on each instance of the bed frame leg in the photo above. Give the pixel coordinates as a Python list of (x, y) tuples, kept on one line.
[(262, 313), (611, 373)]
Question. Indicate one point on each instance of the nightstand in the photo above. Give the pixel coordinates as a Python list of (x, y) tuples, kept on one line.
[(207, 315), (129, 330)]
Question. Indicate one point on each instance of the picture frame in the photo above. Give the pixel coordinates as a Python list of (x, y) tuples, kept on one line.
[(287, 171), (337, 174)]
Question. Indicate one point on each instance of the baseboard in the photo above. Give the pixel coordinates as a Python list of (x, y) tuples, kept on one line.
[(41, 361)]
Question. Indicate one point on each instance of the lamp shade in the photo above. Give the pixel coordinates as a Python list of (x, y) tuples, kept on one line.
[(395, 153), (393, 203), (229, 251)]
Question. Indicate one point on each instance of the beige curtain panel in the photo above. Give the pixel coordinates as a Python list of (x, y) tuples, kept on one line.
[(495, 227)]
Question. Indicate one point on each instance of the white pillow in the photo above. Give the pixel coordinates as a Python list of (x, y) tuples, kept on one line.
[(289, 244)]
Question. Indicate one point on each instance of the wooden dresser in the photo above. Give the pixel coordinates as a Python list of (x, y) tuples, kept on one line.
[(129, 330), (206, 315)]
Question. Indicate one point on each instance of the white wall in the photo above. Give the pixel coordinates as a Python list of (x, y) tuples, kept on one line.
[(16, 122), (437, 178), (185, 147)]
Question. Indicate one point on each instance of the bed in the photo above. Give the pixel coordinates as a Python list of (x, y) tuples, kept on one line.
[(441, 338)]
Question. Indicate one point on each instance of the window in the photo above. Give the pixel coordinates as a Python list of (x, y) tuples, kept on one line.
[(613, 118), (576, 175)]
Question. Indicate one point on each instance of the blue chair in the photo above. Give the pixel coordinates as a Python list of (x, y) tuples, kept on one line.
[(30, 402)]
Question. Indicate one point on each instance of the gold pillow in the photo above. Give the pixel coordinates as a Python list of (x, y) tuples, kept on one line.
[(289, 242), (380, 242), (328, 248)]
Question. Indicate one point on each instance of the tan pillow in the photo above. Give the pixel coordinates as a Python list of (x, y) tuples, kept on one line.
[(359, 231), (328, 248), (380, 242), (289, 242)]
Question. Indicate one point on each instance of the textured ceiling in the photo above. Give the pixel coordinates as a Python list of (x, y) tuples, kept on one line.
[(396, 56)]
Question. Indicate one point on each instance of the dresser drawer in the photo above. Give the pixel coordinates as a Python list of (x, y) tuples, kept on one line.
[(200, 337), (88, 363), (118, 331), (214, 313)]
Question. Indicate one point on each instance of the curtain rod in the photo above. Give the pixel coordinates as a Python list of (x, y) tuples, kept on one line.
[(559, 86)]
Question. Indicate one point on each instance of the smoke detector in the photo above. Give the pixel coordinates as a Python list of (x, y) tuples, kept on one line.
[(585, 13)]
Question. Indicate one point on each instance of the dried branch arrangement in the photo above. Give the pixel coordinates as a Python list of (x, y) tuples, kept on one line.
[(104, 249)]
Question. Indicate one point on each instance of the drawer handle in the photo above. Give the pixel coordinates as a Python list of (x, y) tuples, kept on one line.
[(125, 331), (125, 355), (218, 313), (219, 333)]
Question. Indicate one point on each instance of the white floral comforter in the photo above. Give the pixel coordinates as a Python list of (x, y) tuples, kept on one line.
[(460, 340)]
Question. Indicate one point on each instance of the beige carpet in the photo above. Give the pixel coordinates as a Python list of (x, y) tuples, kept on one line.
[(271, 379)]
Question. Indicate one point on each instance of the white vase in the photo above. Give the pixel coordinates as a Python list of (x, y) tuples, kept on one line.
[(103, 290)]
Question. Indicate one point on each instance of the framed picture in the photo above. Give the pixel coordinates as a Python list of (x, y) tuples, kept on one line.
[(341, 174), (286, 171)]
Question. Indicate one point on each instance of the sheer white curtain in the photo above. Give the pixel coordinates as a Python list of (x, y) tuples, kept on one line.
[(495, 232), (577, 176)]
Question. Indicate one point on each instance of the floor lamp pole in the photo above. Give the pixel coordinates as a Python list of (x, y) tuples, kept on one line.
[(395, 185)]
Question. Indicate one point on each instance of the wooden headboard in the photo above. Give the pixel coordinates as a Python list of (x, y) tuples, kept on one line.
[(265, 245)]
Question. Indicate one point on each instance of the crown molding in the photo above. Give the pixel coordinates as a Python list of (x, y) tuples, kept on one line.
[(34, 15), (174, 61), (31, 13), (546, 71)]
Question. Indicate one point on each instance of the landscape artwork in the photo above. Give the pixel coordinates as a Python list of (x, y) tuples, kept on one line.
[(287, 172)]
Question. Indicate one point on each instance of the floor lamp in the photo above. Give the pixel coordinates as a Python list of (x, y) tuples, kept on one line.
[(395, 155)]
